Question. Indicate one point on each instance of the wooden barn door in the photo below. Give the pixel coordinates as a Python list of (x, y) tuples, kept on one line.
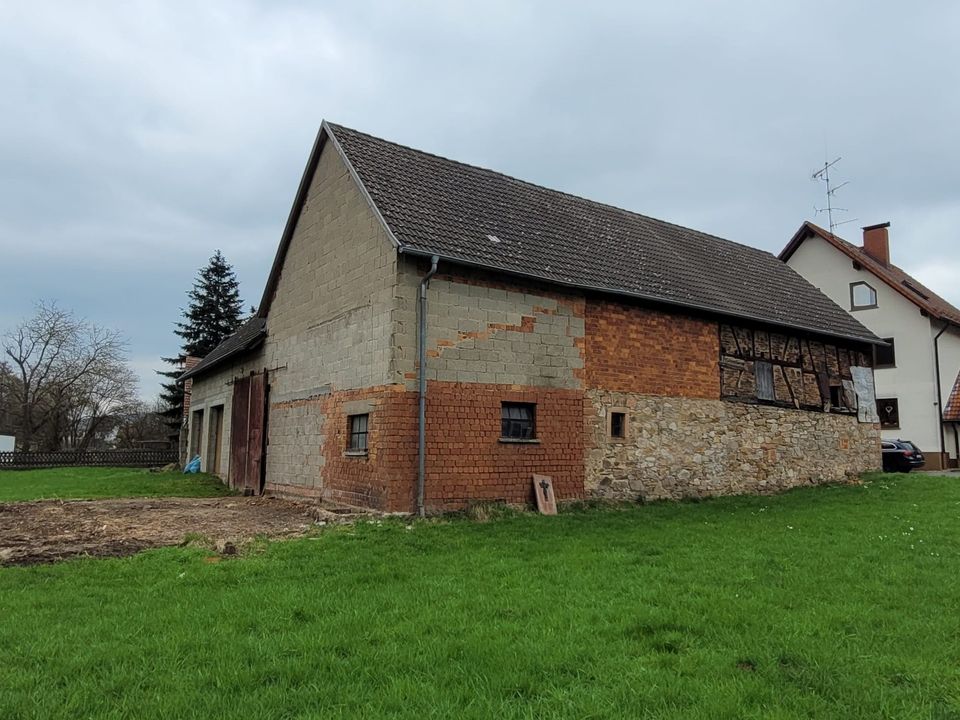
[(248, 420)]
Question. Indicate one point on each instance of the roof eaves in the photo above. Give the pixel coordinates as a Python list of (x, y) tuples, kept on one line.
[(202, 367), (360, 184), (799, 236), (869, 338)]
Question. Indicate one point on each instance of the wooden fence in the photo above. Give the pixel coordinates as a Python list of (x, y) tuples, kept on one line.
[(89, 458)]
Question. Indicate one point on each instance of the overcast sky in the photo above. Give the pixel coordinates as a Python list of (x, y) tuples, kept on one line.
[(138, 137)]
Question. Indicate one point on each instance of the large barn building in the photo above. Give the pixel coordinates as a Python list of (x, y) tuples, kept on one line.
[(433, 333)]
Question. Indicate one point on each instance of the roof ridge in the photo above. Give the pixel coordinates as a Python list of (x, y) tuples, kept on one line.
[(632, 213)]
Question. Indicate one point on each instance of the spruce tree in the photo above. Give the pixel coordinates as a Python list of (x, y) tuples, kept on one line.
[(212, 315)]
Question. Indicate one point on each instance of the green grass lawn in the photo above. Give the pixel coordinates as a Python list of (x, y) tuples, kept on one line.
[(833, 602), (97, 482)]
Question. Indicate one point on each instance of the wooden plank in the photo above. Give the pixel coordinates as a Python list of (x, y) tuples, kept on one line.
[(763, 371), (255, 433), (239, 418), (546, 499)]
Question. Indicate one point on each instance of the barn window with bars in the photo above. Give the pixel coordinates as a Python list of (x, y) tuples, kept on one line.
[(359, 428), (517, 421)]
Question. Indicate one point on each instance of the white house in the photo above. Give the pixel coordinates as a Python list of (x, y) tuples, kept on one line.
[(918, 376)]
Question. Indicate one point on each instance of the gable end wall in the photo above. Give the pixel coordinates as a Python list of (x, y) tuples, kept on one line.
[(328, 337)]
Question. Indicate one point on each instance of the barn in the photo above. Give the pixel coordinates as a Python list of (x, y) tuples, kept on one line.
[(434, 333)]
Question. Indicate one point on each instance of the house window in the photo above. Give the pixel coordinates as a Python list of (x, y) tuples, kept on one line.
[(618, 425), (885, 357), (358, 425), (517, 421), (889, 411), (862, 296)]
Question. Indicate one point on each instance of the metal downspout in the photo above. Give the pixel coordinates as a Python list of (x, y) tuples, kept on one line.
[(422, 380), (936, 364)]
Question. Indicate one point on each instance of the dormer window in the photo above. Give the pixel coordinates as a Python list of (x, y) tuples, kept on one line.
[(862, 296)]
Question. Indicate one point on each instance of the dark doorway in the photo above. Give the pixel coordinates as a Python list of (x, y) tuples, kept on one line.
[(216, 438)]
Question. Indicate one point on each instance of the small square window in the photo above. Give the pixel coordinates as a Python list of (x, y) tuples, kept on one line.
[(889, 411), (517, 421), (358, 425), (837, 401), (885, 357), (862, 296), (618, 425)]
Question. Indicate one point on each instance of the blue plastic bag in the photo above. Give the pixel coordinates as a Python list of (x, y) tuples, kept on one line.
[(193, 466)]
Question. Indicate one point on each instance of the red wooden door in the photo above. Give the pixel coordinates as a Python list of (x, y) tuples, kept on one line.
[(238, 433), (256, 420), (247, 433)]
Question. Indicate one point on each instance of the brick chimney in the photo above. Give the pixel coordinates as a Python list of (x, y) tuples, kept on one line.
[(876, 242)]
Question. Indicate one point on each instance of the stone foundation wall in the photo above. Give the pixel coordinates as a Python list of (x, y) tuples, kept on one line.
[(687, 447)]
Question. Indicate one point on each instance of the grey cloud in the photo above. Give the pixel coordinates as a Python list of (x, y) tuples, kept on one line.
[(138, 137)]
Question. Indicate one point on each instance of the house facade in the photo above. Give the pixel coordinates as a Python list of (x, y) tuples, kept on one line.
[(917, 371), (622, 356)]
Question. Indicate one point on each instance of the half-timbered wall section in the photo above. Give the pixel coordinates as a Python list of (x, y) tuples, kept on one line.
[(787, 370), (731, 408)]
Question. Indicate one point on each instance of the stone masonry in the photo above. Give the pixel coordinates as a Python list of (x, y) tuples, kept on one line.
[(692, 447)]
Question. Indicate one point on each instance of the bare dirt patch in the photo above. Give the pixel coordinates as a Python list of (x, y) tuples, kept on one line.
[(51, 530)]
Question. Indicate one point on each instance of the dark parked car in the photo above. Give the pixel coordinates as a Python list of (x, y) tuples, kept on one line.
[(900, 456)]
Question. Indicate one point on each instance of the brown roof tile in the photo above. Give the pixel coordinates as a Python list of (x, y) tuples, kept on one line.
[(467, 214), (246, 337), (952, 410)]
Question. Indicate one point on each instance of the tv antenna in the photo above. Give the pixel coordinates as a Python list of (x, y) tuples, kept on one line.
[(823, 175)]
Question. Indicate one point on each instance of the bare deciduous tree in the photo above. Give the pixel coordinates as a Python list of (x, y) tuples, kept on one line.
[(143, 424), (61, 364)]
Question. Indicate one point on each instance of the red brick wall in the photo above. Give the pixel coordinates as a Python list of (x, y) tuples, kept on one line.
[(384, 478), (637, 349), (466, 460)]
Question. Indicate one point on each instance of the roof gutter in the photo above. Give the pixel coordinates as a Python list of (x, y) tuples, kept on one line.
[(936, 370), (639, 296), (422, 381)]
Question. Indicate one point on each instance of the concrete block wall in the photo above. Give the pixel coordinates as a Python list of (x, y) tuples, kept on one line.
[(486, 330), (329, 322)]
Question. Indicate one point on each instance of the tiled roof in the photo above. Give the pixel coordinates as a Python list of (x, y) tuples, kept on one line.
[(952, 410), (908, 286), (467, 214), (247, 336)]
